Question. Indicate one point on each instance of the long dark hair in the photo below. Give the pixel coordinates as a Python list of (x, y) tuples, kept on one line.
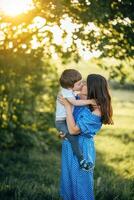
[(98, 89)]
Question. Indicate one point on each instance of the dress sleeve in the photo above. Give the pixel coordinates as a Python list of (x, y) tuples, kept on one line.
[(88, 123)]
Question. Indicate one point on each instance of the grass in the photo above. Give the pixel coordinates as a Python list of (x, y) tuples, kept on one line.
[(34, 174), (115, 144), (29, 175)]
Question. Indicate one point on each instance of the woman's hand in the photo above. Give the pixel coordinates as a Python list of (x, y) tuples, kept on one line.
[(64, 101)]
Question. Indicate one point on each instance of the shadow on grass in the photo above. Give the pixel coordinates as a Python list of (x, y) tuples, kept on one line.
[(34, 175), (109, 185)]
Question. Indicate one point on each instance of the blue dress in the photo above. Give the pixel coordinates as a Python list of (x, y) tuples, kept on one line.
[(75, 183)]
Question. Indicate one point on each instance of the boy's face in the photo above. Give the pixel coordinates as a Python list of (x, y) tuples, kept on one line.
[(78, 85)]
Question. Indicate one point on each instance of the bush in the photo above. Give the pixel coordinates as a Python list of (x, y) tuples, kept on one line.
[(28, 89)]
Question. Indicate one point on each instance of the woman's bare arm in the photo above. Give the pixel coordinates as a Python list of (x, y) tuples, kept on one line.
[(73, 128)]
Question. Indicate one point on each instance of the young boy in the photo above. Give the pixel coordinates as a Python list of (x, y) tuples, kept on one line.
[(70, 81)]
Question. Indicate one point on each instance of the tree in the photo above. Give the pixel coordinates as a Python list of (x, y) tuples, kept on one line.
[(28, 86), (99, 25), (62, 28)]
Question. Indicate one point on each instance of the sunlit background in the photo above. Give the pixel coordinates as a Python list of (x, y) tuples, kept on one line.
[(15, 7)]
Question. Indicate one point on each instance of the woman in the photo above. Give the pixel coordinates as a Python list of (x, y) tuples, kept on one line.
[(75, 183)]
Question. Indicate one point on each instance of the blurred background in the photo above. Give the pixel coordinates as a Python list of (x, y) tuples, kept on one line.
[(38, 40)]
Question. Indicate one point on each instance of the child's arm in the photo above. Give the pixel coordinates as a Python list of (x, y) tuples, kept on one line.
[(80, 102)]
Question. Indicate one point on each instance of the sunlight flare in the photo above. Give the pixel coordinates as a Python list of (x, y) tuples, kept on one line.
[(15, 7)]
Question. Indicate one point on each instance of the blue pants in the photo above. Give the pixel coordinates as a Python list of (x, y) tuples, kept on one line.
[(73, 139)]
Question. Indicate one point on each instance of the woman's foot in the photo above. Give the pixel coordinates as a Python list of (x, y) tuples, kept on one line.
[(86, 165)]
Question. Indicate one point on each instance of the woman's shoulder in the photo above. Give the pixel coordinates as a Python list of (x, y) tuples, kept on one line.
[(87, 121)]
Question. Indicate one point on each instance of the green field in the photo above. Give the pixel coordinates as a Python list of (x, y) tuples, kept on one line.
[(115, 150), (34, 174)]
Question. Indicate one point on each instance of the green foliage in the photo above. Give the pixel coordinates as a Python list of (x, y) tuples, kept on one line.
[(28, 88), (119, 71), (106, 26)]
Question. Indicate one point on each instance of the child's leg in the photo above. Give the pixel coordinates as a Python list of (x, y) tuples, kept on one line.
[(75, 146), (62, 126)]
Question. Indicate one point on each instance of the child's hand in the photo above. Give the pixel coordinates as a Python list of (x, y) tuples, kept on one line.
[(93, 102), (62, 135)]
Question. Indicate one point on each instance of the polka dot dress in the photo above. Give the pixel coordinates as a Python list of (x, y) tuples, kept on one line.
[(75, 183)]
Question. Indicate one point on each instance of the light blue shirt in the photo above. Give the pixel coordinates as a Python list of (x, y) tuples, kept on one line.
[(60, 109)]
